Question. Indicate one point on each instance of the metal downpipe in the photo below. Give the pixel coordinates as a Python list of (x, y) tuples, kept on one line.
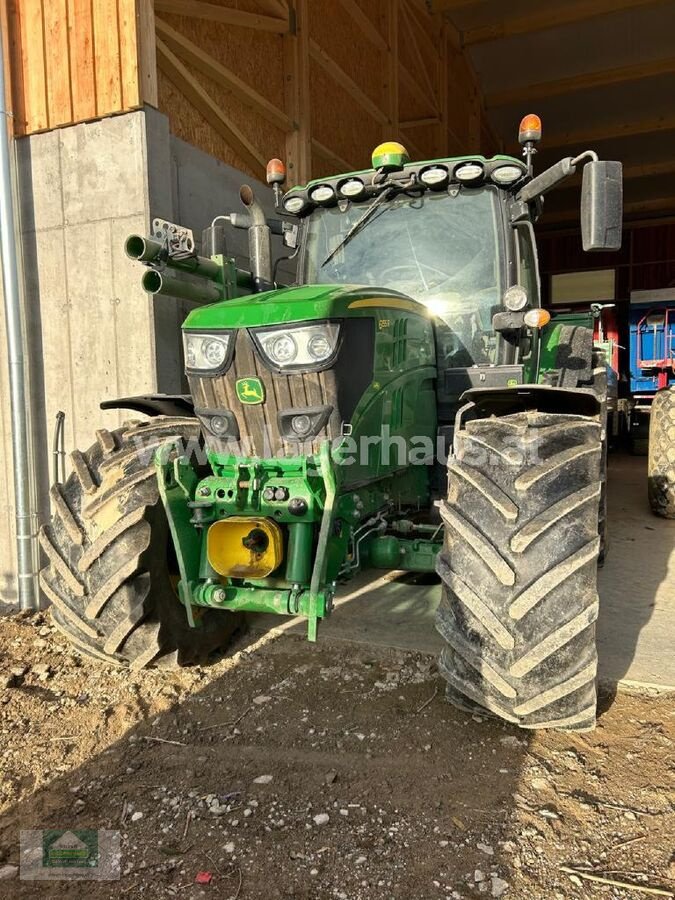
[(20, 411)]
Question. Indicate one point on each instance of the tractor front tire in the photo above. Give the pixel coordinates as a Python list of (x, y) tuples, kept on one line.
[(519, 569), (661, 459), (110, 576)]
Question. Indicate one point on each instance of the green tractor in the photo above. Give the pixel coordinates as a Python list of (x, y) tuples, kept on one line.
[(406, 405)]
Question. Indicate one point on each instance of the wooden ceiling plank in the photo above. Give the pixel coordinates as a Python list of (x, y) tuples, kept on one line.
[(582, 82), (186, 83), (339, 76), (550, 16), (582, 136), (191, 53), (366, 25), (200, 10)]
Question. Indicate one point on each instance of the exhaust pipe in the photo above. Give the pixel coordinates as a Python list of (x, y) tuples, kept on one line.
[(259, 241), (162, 283)]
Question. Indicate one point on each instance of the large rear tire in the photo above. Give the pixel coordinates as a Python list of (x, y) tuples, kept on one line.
[(110, 575), (661, 461), (519, 569)]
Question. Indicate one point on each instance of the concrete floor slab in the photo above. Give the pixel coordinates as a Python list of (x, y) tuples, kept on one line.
[(636, 628)]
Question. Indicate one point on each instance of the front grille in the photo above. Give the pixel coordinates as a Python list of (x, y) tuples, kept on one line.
[(258, 423)]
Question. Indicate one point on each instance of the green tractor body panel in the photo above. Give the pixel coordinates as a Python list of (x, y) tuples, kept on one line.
[(374, 401)]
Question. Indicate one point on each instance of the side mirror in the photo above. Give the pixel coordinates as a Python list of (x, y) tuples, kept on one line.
[(602, 205)]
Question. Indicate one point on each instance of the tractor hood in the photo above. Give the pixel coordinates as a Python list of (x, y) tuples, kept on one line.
[(298, 304)]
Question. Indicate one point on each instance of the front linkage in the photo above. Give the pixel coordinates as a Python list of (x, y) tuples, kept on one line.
[(228, 543)]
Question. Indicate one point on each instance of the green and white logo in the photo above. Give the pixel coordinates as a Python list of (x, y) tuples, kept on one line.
[(70, 854), (250, 390), (77, 848)]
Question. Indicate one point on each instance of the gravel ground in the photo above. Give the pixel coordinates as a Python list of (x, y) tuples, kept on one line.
[(336, 771)]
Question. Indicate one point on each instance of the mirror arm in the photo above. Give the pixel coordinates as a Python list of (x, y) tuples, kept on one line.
[(587, 154), (547, 180)]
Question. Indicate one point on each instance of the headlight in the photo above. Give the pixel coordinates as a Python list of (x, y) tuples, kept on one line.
[(294, 204), (305, 346), (282, 349), (324, 193), (469, 172), (206, 352), (434, 176), (507, 174), (515, 298), (353, 187)]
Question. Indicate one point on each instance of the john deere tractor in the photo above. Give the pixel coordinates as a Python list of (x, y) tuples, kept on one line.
[(405, 405)]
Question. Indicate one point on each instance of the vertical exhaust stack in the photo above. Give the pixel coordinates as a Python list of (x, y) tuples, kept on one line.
[(259, 241)]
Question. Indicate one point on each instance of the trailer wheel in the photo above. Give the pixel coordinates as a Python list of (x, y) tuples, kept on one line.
[(661, 461), (519, 569), (111, 571)]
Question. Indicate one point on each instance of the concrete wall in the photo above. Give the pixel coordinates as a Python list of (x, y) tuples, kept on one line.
[(94, 334)]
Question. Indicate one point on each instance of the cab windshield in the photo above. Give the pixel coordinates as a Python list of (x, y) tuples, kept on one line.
[(439, 249)]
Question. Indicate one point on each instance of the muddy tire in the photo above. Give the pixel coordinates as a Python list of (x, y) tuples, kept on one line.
[(519, 569), (109, 564), (661, 461)]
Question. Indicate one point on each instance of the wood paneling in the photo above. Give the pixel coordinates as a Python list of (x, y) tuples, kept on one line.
[(74, 60), (343, 75), (318, 82)]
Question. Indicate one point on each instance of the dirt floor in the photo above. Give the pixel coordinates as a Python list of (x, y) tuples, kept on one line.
[(290, 770)]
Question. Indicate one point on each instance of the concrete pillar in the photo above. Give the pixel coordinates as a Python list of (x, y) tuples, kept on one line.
[(94, 334)]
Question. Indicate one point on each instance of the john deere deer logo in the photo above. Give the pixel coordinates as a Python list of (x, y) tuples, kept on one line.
[(250, 390)]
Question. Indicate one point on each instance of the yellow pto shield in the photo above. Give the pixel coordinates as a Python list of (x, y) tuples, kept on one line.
[(245, 547)]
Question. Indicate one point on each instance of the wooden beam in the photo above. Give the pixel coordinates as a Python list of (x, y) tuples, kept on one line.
[(659, 204), (420, 123), (147, 52), (186, 83), (341, 165), (339, 76), (549, 16), (584, 82), (574, 139), (630, 173), (200, 10), (275, 7), (443, 92), (415, 150), (442, 6), (203, 62), (649, 170), (414, 46), (391, 84), (420, 18), (413, 85), (297, 95), (366, 25)]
